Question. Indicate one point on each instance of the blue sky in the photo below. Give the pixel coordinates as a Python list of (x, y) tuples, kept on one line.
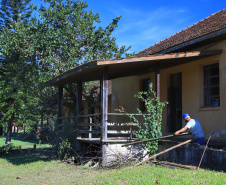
[(146, 22)]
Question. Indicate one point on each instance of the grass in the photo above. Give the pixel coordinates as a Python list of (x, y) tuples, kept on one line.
[(16, 141), (33, 168)]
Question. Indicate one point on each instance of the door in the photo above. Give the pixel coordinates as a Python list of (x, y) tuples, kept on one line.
[(174, 118)]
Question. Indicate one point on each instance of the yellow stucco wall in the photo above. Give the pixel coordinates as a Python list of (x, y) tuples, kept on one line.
[(211, 119)]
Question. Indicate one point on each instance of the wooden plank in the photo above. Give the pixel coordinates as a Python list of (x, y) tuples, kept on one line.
[(118, 132), (59, 105), (175, 164), (90, 115), (104, 111), (89, 124), (160, 153), (110, 124), (157, 81), (80, 115), (88, 131), (154, 139), (78, 105), (160, 57), (122, 114), (78, 98), (64, 76), (151, 57)]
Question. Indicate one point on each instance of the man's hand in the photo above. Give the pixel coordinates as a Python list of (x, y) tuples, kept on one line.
[(181, 130)]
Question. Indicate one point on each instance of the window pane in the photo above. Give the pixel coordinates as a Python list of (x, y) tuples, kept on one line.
[(213, 71), (146, 83), (214, 91), (215, 102), (213, 81)]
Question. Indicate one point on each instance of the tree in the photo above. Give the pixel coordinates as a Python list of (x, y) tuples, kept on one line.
[(71, 37), (34, 51), (13, 11), (18, 71)]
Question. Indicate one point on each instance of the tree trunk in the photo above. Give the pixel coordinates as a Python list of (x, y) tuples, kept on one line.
[(14, 129), (9, 132), (3, 131)]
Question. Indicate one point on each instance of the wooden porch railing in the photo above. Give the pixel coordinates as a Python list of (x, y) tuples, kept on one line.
[(89, 127)]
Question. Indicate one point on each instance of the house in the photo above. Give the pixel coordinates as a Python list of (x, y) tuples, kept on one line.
[(187, 70)]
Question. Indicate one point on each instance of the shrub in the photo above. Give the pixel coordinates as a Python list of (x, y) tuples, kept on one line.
[(64, 151), (150, 125)]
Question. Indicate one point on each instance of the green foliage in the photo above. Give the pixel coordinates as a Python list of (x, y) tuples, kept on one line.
[(70, 36), (18, 73), (34, 50), (13, 11), (29, 129), (64, 151), (150, 125), (6, 148)]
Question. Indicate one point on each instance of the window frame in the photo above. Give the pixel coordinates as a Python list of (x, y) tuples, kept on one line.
[(208, 87)]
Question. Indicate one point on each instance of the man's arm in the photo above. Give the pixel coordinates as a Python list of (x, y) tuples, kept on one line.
[(181, 130)]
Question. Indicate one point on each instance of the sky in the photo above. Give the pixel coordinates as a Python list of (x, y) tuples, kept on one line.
[(146, 22)]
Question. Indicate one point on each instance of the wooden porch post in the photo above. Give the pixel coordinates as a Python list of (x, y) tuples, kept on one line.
[(59, 107), (104, 113), (157, 85), (78, 105), (157, 81)]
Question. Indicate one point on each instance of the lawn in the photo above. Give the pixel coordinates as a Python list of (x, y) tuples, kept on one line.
[(38, 167), (16, 141)]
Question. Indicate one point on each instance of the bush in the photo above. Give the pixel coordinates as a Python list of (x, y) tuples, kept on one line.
[(45, 135), (65, 150), (6, 148), (150, 126)]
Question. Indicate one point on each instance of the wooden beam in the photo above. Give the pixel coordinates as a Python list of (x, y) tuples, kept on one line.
[(154, 139), (59, 106), (78, 105), (60, 79), (104, 112), (157, 81), (160, 153), (175, 164), (79, 98), (160, 57)]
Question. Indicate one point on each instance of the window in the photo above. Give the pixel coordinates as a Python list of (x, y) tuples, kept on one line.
[(145, 83), (211, 86)]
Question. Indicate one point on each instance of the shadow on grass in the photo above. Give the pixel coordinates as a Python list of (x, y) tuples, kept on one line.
[(25, 141), (25, 156)]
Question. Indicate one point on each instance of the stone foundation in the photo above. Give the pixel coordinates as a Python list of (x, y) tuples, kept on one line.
[(190, 154), (118, 154)]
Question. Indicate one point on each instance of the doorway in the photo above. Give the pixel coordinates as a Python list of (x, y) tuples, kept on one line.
[(174, 110)]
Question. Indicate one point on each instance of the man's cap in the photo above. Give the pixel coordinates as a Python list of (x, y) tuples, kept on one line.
[(185, 115)]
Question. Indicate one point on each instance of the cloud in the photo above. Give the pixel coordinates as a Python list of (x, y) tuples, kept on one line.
[(142, 29)]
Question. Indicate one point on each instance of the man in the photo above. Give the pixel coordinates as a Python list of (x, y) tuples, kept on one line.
[(195, 128)]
